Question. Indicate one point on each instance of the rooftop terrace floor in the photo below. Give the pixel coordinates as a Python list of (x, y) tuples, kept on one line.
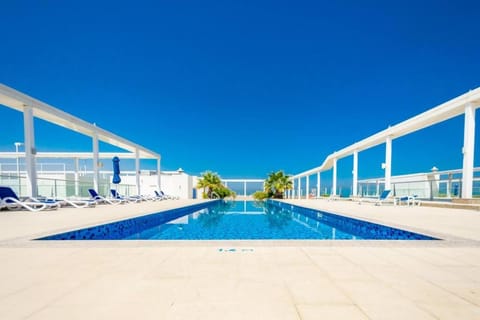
[(256, 280)]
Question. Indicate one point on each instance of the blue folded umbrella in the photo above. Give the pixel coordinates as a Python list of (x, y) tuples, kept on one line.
[(116, 171)]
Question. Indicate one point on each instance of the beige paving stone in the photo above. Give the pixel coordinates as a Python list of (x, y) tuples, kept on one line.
[(26, 302), (421, 291), (468, 256), (467, 290), (258, 292), (431, 256), (446, 311), (317, 292), (125, 311), (395, 311), (293, 273), (240, 280), (378, 301), (254, 265), (288, 256), (365, 256), (340, 268), (333, 312), (214, 289), (232, 310)]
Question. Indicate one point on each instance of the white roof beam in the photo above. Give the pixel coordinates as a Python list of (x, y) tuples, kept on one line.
[(17, 100), (442, 112), (73, 155)]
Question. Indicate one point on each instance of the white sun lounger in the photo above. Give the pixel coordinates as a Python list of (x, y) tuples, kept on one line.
[(11, 201)]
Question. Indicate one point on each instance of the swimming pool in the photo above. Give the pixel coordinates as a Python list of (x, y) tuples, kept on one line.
[(240, 220)]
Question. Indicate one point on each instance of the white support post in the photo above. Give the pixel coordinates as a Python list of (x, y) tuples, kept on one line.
[(468, 151), (307, 187), (244, 188), (449, 186), (159, 178), (96, 176), (318, 185), (137, 171), (388, 163), (299, 195), (292, 191), (355, 174), (334, 178), (76, 177), (30, 151)]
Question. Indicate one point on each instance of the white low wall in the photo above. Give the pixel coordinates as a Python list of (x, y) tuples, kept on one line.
[(176, 184)]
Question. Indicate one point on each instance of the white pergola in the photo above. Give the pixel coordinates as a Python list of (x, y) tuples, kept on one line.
[(33, 108), (465, 104)]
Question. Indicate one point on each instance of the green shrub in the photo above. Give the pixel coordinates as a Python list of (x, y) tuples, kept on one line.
[(260, 195)]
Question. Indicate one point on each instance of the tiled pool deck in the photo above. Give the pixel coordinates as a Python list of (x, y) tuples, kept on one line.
[(241, 280)]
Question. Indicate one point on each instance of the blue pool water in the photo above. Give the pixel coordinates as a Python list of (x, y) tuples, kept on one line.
[(235, 220)]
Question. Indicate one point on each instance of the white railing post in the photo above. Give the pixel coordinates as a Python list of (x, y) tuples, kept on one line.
[(76, 176), (159, 177), (468, 151), (334, 178), (318, 184), (388, 163), (449, 185), (137, 171), (299, 188), (307, 187), (355, 174)]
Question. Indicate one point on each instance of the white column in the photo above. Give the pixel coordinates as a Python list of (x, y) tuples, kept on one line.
[(307, 187), (137, 171), (29, 136), (244, 188), (159, 178), (334, 178), (96, 177), (355, 174), (388, 163), (318, 184), (299, 195), (468, 151), (76, 176)]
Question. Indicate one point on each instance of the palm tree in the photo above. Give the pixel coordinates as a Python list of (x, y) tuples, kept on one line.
[(276, 184), (209, 181)]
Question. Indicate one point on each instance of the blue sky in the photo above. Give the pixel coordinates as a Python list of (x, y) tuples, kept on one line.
[(245, 87)]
